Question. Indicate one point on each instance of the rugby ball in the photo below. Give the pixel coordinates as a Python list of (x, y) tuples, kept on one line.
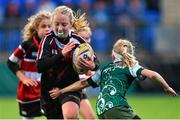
[(84, 51)]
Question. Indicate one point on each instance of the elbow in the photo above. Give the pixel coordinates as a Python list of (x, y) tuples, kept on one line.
[(84, 84), (154, 75), (14, 67), (8, 62)]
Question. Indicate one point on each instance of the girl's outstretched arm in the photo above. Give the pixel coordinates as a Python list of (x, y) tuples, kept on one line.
[(157, 77), (79, 85)]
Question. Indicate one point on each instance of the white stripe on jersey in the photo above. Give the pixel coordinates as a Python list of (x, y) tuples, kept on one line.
[(74, 41), (27, 101), (61, 45), (41, 49), (32, 75), (20, 47), (29, 60), (14, 59), (133, 70)]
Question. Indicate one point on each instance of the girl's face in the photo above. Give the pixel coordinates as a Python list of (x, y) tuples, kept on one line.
[(61, 25), (43, 28), (85, 35)]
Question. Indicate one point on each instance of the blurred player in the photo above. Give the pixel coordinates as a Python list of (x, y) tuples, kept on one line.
[(114, 81), (86, 109), (55, 64), (22, 63)]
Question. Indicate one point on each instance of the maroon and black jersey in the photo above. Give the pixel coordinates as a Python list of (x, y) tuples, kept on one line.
[(57, 70), (24, 59)]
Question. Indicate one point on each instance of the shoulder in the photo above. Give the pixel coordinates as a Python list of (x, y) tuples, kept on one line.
[(107, 66), (26, 44), (77, 37), (48, 38)]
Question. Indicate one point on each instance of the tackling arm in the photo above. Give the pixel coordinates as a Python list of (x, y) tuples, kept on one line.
[(79, 85), (157, 77)]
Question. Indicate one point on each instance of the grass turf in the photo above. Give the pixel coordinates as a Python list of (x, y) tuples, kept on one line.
[(147, 107)]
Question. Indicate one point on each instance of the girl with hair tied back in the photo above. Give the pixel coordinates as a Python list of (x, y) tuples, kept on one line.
[(114, 81)]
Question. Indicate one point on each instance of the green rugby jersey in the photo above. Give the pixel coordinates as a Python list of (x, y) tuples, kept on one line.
[(114, 81)]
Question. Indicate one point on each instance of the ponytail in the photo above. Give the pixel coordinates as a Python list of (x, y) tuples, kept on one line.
[(126, 50), (80, 23)]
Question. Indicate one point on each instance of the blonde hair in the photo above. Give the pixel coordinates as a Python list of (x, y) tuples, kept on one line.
[(126, 50), (33, 22), (81, 24), (78, 21)]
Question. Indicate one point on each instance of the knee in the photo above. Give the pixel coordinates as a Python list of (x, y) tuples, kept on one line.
[(70, 110), (70, 114)]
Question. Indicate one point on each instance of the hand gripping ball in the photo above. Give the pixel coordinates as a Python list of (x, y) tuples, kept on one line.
[(84, 51)]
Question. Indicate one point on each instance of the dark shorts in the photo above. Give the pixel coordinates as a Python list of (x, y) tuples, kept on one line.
[(53, 109), (84, 96), (30, 109), (70, 96), (119, 113)]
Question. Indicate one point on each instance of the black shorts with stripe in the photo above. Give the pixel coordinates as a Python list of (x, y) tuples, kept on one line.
[(32, 109), (53, 109)]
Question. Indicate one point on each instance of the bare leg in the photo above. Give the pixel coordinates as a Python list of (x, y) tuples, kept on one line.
[(86, 109), (70, 110)]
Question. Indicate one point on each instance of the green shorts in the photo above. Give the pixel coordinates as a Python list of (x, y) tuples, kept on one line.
[(118, 112)]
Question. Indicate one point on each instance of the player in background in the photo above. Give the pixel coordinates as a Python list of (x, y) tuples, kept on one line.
[(114, 81), (22, 63), (84, 31), (55, 64)]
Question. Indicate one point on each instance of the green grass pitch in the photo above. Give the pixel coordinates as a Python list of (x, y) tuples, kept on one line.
[(147, 107)]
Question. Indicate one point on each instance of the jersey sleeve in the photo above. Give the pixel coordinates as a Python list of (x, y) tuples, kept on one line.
[(15, 58), (136, 70), (18, 54), (95, 79)]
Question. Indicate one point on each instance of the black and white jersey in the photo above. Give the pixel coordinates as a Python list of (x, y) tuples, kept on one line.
[(57, 70)]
